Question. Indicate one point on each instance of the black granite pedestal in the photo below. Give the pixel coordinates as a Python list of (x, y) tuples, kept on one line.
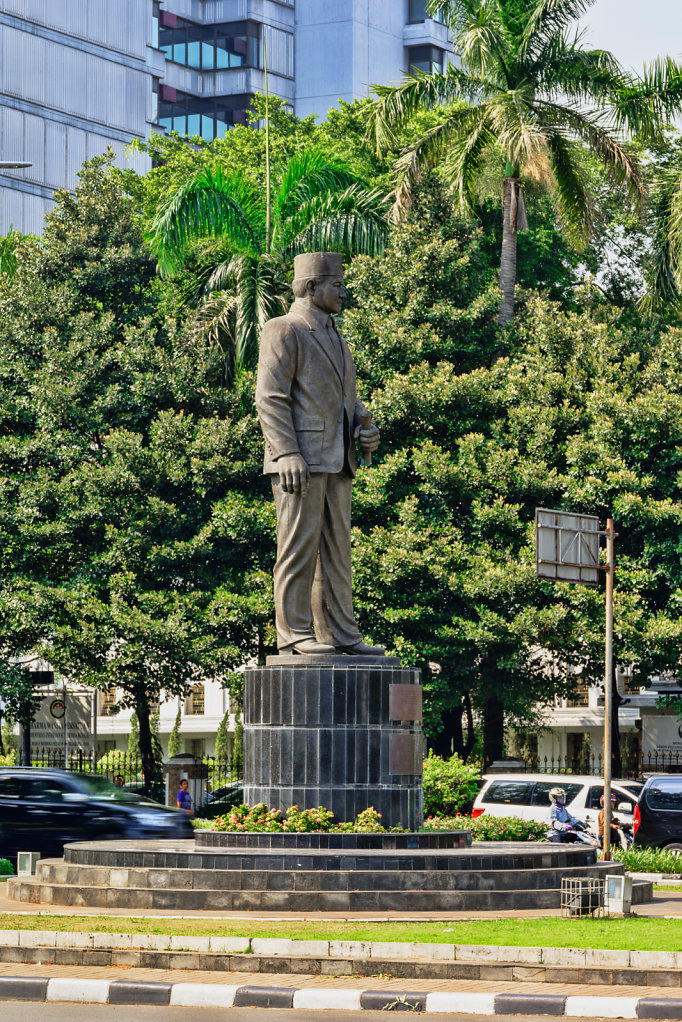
[(341, 732)]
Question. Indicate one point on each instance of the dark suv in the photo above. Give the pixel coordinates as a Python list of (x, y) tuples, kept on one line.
[(657, 819), (42, 810)]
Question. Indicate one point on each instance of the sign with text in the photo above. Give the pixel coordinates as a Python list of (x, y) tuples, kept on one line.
[(567, 547), (63, 721)]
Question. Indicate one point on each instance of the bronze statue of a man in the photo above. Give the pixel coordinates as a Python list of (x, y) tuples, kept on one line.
[(311, 418)]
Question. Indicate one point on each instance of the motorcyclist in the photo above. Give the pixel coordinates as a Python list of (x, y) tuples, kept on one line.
[(618, 836), (561, 823)]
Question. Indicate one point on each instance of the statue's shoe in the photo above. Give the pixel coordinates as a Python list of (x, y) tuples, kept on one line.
[(362, 649), (310, 647)]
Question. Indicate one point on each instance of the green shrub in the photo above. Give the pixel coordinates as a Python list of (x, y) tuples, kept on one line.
[(448, 785), (491, 828), (9, 759), (649, 860), (261, 819), (6, 868)]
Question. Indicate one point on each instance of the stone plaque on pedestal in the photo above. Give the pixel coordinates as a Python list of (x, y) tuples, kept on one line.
[(321, 731)]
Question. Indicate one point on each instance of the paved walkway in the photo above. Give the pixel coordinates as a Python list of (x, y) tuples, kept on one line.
[(304, 982)]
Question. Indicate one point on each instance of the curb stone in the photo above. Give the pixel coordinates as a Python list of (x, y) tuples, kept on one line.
[(337, 949), (95, 991)]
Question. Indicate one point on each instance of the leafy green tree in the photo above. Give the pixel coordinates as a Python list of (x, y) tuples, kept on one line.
[(18, 703), (133, 751), (570, 409), (237, 764), (222, 740), (317, 204), (134, 521), (174, 738), (528, 90)]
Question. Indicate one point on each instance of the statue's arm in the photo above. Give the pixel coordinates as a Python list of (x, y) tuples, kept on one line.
[(364, 430), (276, 371)]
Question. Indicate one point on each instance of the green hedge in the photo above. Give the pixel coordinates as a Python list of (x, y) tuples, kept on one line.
[(649, 860), (490, 828), (6, 868)]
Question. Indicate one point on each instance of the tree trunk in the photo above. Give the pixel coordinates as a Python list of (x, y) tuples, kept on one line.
[(145, 739), (26, 744), (471, 733), (450, 738), (493, 730), (511, 189)]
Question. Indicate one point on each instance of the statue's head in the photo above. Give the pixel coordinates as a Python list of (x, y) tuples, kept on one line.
[(318, 276)]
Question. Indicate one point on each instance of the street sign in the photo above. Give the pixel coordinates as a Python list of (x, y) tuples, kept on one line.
[(567, 547)]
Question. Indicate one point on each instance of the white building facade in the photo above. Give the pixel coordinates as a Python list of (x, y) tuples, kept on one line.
[(201, 711), (573, 735)]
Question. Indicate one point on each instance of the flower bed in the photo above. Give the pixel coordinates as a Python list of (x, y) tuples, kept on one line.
[(260, 819)]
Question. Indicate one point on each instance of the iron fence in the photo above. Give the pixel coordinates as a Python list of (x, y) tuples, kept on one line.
[(634, 765), (122, 768)]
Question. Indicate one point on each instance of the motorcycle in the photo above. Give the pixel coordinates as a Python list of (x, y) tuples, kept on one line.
[(580, 834)]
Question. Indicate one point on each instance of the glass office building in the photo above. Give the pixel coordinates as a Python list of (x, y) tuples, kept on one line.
[(77, 76)]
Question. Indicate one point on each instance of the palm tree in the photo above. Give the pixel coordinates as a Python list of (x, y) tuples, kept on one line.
[(532, 93), (315, 204)]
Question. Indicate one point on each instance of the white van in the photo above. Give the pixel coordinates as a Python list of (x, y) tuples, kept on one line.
[(527, 796)]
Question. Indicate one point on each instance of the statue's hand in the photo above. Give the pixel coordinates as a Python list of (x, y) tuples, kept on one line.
[(368, 438), (294, 474)]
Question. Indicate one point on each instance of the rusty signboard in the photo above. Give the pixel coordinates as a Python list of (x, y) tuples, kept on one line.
[(405, 702)]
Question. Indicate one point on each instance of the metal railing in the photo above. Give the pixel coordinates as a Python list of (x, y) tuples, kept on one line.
[(633, 765), (114, 765)]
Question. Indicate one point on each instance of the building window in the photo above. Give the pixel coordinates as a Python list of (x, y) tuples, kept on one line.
[(155, 100), (210, 47), (194, 703), (425, 58), (108, 703), (156, 15), (194, 115), (417, 12)]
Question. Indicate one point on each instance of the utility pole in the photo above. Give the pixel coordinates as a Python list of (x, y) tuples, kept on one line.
[(608, 685)]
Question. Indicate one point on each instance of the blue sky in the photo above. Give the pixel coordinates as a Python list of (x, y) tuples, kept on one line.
[(636, 30)]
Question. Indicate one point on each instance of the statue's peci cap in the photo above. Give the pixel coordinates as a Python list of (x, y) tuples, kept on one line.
[(318, 264)]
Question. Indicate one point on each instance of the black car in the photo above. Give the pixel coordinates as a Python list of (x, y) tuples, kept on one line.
[(42, 810), (221, 800), (657, 819)]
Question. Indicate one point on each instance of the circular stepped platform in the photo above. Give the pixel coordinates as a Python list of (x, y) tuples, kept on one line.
[(281, 877)]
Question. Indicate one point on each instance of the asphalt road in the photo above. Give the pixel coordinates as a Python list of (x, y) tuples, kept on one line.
[(23, 1011)]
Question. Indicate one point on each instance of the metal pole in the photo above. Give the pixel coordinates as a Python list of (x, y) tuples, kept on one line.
[(608, 687)]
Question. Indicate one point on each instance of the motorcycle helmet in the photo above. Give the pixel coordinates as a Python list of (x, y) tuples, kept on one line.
[(613, 800), (557, 795)]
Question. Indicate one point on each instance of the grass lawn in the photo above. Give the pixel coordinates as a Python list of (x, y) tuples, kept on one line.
[(642, 934)]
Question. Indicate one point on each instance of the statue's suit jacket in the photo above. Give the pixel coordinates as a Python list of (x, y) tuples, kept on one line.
[(305, 393)]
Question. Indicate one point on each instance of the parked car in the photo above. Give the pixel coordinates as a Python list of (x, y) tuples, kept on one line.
[(41, 810), (219, 801), (658, 814), (527, 796)]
